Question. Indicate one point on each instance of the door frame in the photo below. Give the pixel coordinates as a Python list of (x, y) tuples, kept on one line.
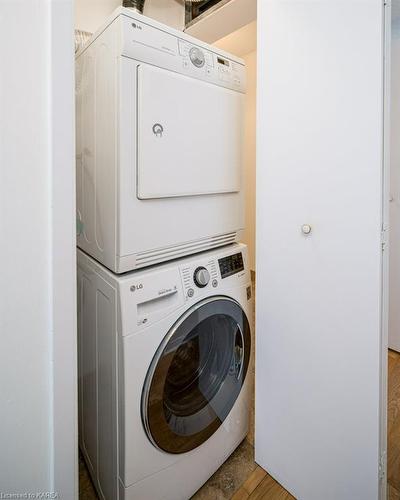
[(385, 251), (64, 472)]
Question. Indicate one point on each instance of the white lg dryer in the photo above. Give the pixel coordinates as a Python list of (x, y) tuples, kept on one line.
[(163, 384), (159, 144)]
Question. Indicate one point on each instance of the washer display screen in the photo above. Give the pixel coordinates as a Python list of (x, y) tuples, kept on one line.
[(231, 265)]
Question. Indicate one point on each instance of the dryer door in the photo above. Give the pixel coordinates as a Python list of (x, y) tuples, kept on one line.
[(196, 375), (189, 135)]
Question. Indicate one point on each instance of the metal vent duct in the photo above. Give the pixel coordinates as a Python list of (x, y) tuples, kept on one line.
[(137, 5), (198, 9)]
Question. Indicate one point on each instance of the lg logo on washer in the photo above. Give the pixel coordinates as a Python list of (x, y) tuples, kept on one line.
[(136, 26), (139, 286)]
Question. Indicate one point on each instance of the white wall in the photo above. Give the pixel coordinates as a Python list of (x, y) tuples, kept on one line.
[(90, 14), (33, 166), (249, 166), (243, 43), (240, 42)]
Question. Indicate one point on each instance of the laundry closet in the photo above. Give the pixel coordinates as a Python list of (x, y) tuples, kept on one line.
[(165, 298), (314, 250)]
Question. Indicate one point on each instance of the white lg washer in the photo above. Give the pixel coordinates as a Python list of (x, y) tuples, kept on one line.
[(159, 144), (164, 354)]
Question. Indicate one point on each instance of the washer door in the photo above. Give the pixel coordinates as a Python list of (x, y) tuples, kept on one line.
[(196, 375)]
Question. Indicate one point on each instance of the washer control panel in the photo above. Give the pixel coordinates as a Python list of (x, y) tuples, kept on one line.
[(204, 275), (199, 276)]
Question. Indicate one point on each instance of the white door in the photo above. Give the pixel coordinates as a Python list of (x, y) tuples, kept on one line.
[(189, 135), (319, 295), (394, 308)]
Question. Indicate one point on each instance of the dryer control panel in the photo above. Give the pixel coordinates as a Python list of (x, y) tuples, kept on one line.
[(214, 66), (147, 42)]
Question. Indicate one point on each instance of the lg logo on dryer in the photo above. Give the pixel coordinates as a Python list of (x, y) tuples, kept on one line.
[(136, 26), (139, 286)]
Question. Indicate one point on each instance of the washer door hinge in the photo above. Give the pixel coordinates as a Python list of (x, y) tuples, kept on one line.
[(382, 465)]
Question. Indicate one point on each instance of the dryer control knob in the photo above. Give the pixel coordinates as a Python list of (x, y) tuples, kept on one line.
[(197, 57), (201, 277)]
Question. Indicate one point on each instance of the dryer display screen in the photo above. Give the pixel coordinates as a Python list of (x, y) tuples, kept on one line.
[(223, 61), (231, 265)]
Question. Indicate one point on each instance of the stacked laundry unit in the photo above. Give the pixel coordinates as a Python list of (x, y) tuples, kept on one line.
[(164, 291)]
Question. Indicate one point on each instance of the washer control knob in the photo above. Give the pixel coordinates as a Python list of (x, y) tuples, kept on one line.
[(201, 277), (197, 57)]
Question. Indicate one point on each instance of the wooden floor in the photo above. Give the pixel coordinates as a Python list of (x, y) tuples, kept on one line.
[(261, 486), (393, 465)]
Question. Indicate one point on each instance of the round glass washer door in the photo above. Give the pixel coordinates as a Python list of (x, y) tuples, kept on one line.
[(196, 375)]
